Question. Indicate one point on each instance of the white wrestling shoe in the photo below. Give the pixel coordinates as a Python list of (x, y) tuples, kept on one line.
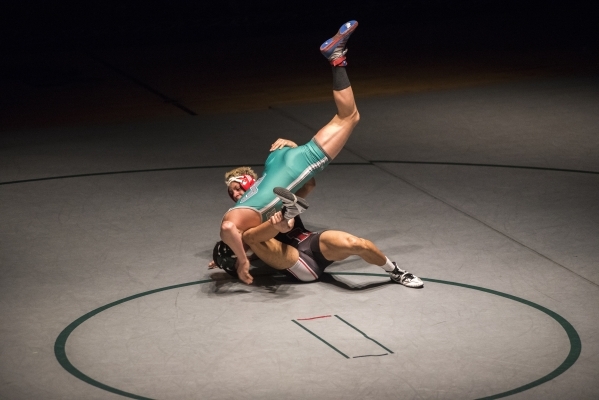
[(292, 205), (405, 278)]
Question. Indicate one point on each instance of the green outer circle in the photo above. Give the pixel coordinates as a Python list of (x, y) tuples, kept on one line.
[(575, 343)]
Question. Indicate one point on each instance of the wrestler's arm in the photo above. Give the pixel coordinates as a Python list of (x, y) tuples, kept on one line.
[(232, 237), (280, 143), (268, 230), (274, 253), (234, 223), (307, 188)]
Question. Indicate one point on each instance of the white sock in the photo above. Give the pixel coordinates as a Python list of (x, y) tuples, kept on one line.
[(389, 267)]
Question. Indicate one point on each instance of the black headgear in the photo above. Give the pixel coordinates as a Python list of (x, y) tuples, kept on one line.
[(224, 257)]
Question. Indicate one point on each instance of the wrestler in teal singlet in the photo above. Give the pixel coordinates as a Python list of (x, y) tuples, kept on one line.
[(288, 167)]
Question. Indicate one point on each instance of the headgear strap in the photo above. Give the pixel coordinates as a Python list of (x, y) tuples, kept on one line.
[(245, 181)]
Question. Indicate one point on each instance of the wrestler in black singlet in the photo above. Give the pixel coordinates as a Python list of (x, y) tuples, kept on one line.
[(308, 245)]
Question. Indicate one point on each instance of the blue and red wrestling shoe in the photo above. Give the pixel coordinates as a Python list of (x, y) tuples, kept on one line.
[(334, 49)]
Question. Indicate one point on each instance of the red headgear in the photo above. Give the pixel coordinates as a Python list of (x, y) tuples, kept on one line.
[(245, 181)]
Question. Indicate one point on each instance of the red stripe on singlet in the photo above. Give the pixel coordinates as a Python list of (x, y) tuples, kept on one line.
[(291, 272)]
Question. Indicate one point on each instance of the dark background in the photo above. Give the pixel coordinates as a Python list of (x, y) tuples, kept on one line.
[(92, 62), (413, 25)]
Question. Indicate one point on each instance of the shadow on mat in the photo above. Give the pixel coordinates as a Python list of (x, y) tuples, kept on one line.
[(331, 280), (269, 281)]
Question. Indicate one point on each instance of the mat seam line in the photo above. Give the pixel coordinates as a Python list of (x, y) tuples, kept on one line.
[(480, 221), (138, 82)]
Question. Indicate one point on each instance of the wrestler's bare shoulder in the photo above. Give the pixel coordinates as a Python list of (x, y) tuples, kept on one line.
[(243, 218)]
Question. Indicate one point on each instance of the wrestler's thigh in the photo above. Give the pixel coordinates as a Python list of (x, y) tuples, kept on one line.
[(276, 254), (337, 245)]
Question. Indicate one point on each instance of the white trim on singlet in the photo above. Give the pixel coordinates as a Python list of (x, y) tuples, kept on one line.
[(235, 208), (302, 271)]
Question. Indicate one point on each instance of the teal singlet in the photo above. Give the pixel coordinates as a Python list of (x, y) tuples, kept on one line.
[(288, 167)]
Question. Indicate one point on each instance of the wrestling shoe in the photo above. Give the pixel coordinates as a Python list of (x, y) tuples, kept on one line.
[(292, 205), (334, 49), (405, 278)]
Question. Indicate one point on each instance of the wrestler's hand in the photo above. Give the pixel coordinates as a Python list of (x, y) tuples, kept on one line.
[(243, 271), (280, 143), (281, 224), (212, 265)]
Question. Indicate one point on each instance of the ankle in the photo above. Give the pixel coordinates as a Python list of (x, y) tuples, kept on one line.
[(340, 79)]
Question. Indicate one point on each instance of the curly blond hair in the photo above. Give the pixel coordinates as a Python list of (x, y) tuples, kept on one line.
[(240, 171)]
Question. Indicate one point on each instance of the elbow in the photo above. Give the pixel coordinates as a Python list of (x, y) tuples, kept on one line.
[(248, 238), (226, 229), (307, 188)]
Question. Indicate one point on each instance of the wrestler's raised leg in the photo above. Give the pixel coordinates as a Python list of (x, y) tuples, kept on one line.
[(333, 136)]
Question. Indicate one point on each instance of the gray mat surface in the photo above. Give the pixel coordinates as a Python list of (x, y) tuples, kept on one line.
[(517, 241)]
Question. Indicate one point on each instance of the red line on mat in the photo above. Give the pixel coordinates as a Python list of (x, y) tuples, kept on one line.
[(305, 319)]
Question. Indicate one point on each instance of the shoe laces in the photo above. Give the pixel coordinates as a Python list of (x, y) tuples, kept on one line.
[(339, 51)]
